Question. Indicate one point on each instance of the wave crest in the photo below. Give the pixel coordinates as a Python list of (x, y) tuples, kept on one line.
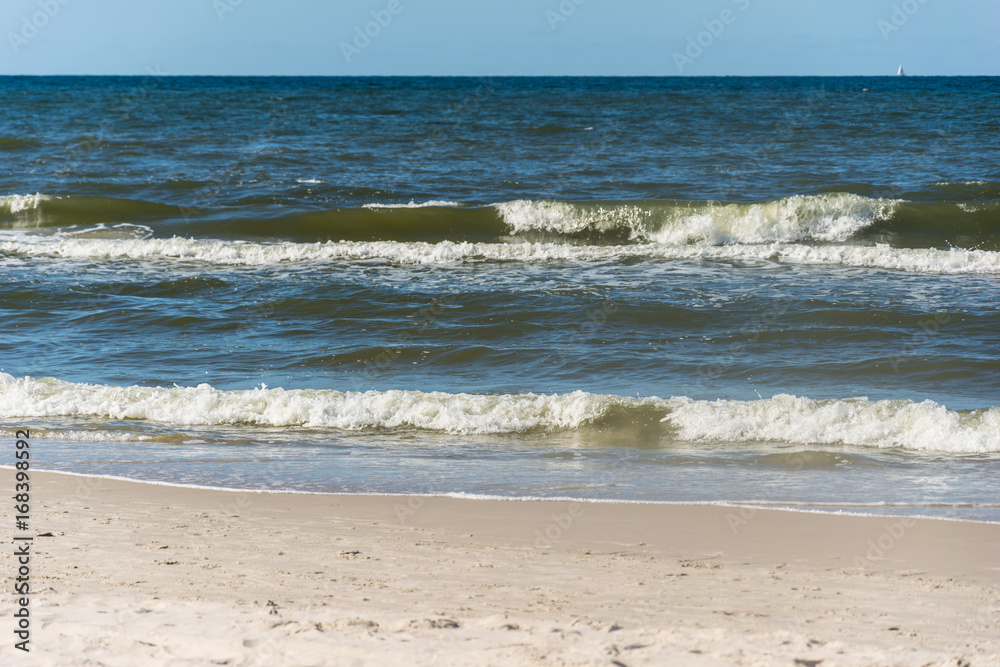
[(897, 424), (242, 253), (857, 421), (14, 204), (828, 217), (204, 405)]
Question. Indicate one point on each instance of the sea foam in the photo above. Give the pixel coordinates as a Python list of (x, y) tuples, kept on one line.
[(898, 424), (205, 405), (414, 204), (857, 421), (828, 217), (242, 253), (21, 203)]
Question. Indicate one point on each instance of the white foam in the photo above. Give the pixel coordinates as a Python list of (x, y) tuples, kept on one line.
[(565, 218), (241, 253), (21, 203), (427, 204), (828, 217), (86, 435), (881, 256), (205, 405), (923, 426), (121, 230), (857, 421), (978, 207)]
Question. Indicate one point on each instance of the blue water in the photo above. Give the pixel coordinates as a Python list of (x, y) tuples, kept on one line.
[(780, 290)]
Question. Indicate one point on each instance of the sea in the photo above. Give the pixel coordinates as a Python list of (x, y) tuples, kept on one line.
[(773, 292)]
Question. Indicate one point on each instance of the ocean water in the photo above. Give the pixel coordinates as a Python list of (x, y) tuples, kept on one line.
[(780, 291)]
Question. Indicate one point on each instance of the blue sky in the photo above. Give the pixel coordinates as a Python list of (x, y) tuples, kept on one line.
[(526, 37)]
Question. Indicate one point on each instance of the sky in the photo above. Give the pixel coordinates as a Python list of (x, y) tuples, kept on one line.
[(505, 37)]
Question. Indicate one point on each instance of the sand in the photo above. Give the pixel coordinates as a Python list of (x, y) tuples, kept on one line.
[(136, 574)]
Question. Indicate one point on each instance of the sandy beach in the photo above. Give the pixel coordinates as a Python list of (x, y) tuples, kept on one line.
[(127, 573)]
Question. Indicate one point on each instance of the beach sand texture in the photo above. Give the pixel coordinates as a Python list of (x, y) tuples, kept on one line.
[(137, 574)]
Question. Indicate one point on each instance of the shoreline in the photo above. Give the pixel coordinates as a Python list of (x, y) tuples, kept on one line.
[(761, 505), (144, 574)]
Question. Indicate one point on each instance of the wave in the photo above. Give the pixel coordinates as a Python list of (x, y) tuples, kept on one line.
[(427, 204), (962, 224), (824, 218), (971, 189), (429, 221), (897, 424), (39, 210), (95, 244), (85, 435), (925, 426), (827, 218), (831, 217), (204, 405), (12, 204)]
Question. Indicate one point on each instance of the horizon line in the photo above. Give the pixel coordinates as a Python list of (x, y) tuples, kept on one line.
[(517, 76)]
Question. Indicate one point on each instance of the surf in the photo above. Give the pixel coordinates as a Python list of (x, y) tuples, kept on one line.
[(783, 418)]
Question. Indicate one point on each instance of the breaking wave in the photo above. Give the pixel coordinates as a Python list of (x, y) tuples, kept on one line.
[(824, 218), (119, 243), (832, 217), (900, 424)]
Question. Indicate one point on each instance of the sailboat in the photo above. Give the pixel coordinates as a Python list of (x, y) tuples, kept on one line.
[(900, 72)]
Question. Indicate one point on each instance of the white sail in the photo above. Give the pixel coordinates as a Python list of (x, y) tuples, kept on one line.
[(900, 72)]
